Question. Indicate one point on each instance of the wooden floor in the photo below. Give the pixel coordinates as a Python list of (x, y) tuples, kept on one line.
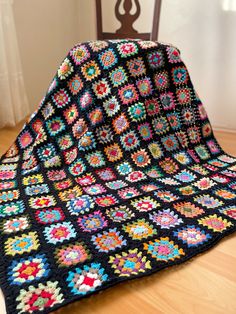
[(204, 285)]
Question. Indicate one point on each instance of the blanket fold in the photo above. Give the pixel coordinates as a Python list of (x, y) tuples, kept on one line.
[(117, 175)]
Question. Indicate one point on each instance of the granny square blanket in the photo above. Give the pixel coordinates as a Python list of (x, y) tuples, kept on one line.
[(117, 175)]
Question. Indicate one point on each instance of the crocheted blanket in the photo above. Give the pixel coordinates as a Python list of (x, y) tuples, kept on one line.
[(117, 175)]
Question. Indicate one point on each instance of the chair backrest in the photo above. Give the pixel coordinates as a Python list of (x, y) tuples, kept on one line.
[(127, 19)]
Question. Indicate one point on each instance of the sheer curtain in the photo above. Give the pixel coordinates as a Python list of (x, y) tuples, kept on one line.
[(13, 100)]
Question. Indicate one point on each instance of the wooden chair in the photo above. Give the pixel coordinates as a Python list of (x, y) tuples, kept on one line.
[(127, 20)]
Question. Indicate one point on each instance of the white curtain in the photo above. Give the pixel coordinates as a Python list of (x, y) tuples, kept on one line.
[(13, 100)]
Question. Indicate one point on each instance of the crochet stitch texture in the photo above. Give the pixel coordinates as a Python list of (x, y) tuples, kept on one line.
[(116, 175)]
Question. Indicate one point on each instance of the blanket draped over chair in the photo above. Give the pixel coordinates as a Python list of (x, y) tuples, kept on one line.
[(117, 175)]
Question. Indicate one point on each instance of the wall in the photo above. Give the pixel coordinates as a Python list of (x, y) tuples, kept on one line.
[(46, 29), (204, 32)]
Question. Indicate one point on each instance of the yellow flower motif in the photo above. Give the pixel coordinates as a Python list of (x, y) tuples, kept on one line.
[(155, 150), (70, 194), (22, 244), (139, 229), (35, 179), (42, 201), (214, 222), (6, 196)]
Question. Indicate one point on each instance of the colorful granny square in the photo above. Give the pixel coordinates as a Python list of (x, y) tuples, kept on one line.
[(120, 124), (137, 112), (111, 106), (170, 142), (108, 58), (179, 75), (75, 84), (95, 159), (141, 158), (101, 88), (96, 116), (25, 139), (65, 69), (128, 94), (144, 86), (119, 214), (113, 152), (129, 140), (215, 223), (108, 240), (26, 270), (104, 134), (173, 54), (79, 54), (139, 229), (184, 96), (49, 215), (129, 263), (161, 80), (86, 99), (163, 249), (25, 243), (136, 66), (192, 235), (61, 98), (16, 224), (166, 218), (71, 114), (160, 125), (90, 70), (92, 222), (188, 209), (59, 232), (72, 254), (87, 279), (80, 205), (155, 59), (55, 126), (127, 49), (118, 76), (39, 297), (152, 107), (167, 100)]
